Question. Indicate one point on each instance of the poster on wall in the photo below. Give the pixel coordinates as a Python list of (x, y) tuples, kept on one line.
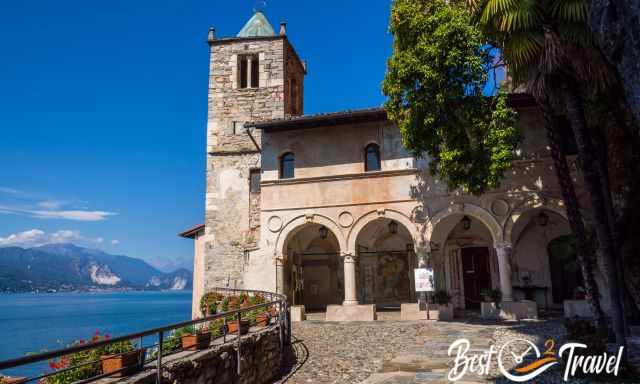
[(424, 279)]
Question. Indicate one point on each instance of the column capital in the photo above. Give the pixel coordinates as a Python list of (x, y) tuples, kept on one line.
[(349, 257), (502, 245)]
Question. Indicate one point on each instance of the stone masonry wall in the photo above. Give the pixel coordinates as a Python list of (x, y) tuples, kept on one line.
[(260, 358), (259, 361)]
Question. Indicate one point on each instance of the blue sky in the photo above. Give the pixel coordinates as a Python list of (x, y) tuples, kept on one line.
[(103, 110)]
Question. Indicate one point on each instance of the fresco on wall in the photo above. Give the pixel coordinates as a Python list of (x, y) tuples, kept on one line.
[(384, 278)]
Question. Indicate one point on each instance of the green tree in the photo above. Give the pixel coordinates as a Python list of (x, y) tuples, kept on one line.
[(435, 82)]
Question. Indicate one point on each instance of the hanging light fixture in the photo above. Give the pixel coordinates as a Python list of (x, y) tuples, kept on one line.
[(466, 223), (542, 219), (323, 232), (393, 227)]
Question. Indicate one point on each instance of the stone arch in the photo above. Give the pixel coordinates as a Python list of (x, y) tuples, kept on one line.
[(552, 205), (373, 215), (473, 210), (298, 222)]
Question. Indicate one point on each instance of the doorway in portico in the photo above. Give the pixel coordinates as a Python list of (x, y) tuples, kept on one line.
[(465, 263), (313, 268), (476, 274)]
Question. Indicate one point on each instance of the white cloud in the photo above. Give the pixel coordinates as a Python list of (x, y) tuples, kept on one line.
[(115, 242), (36, 237), (76, 215), (99, 240)]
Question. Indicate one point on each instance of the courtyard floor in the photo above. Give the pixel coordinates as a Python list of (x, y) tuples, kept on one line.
[(390, 351)]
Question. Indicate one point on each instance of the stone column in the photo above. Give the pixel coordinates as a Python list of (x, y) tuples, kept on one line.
[(503, 250), (350, 293), (279, 275), (249, 71)]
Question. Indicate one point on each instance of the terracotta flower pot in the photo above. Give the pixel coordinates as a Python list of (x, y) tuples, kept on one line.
[(232, 326), (196, 342), (12, 379), (132, 362), (262, 319)]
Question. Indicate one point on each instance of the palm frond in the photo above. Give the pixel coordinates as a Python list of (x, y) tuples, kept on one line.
[(522, 48), (575, 11)]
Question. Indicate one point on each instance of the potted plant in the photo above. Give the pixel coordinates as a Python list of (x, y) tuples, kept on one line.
[(263, 319), (216, 327), (209, 303), (196, 339), (490, 306), (442, 299), (122, 357), (231, 303), (232, 326)]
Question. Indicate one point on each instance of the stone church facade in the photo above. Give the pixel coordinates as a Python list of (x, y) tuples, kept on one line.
[(332, 211)]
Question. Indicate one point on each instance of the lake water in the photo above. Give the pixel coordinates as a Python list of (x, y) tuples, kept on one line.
[(33, 322)]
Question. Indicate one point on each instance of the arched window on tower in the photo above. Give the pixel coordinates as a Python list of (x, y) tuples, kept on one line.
[(372, 157), (287, 166)]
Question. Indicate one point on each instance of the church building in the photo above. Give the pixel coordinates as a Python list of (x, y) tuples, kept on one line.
[(331, 210)]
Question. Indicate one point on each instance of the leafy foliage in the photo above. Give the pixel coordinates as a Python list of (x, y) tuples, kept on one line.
[(435, 81), (88, 356), (210, 301)]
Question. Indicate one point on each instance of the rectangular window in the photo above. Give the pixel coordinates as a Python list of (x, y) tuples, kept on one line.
[(254, 180), (248, 71)]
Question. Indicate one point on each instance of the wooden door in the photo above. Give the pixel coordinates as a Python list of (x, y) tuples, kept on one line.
[(476, 274)]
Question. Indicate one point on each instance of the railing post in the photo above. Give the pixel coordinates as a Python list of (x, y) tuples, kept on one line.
[(239, 336), (159, 362), (224, 330), (281, 326)]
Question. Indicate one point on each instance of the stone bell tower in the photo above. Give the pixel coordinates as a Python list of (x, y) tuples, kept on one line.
[(253, 76)]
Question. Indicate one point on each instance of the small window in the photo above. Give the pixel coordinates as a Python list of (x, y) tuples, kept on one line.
[(287, 165), (372, 158), (248, 71), (238, 127), (254, 181)]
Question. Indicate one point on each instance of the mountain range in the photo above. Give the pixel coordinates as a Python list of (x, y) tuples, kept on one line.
[(68, 267)]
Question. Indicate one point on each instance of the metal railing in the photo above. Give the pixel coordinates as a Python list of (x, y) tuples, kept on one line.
[(155, 352)]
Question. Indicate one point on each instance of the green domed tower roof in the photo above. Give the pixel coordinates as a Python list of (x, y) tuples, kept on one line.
[(257, 26)]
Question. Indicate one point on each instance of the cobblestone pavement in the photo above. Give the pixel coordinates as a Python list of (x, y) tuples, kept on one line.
[(395, 352)]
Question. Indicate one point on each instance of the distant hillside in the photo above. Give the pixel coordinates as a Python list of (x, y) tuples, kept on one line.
[(69, 267)]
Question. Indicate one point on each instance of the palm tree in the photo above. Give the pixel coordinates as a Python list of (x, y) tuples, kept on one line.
[(567, 189), (550, 51)]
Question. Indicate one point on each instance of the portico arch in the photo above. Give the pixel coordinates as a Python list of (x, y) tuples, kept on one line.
[(553, 205), (297, 223), (374, 215), (463, 209)]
